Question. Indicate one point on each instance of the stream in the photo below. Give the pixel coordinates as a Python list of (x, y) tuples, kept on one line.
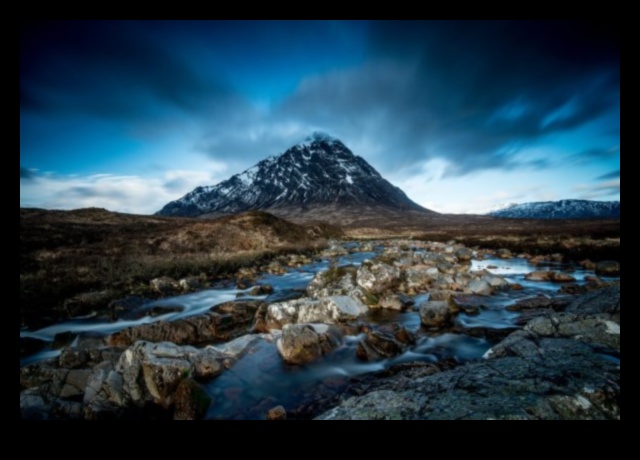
[(261, 380)]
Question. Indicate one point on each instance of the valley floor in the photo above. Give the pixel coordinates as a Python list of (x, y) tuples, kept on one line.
[(559, 358)]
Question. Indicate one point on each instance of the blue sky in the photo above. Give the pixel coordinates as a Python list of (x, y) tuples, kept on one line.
[(462, 116)]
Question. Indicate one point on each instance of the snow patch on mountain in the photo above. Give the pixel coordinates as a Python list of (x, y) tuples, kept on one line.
[(318, 171), (563, 209)]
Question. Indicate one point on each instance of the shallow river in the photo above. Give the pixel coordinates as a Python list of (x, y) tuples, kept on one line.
[(260, 379)]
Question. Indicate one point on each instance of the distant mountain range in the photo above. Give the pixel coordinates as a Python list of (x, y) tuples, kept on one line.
[(563, 209), (316, 176)]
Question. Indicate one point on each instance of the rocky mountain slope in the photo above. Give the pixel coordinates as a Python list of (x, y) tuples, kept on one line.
[(319, 173)]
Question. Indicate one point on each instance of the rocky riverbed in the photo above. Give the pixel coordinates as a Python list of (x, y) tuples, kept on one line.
[(388, 329)]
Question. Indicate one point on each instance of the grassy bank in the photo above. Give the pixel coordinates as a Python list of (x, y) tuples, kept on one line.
[(104, 255)]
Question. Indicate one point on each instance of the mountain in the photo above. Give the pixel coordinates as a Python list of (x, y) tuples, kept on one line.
[(320, 174), (563, 209)]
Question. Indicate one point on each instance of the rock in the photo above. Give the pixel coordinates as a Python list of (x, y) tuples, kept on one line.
[(591, 330), (73, 358), (225, 322), (541, 302), (104, 388), (338, 281), (573, 289), (282, 313), (377, 405), (603, 303), (304, 343), (608, 268), (396, 302), (539, 276), (207, 363), (479, 287), (153, 371), (441, 294), (377, 277), (555, 277), (421, 276), (464, 254), (495, 281), (165, 285), (191, 283), (190, 400), (504, 253), (277, 413), (75, 383), (238, 347), (330, 310), (562, 278), (34, 407), (546, 379), (446, 267), (470, 304), (587, 264), (435, 314), (385, 343), (515, 287), (264, 289)]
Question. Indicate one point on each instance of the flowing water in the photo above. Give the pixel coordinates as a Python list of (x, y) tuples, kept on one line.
[(260, 379)]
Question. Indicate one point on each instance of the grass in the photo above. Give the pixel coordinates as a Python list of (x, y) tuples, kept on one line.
[(66, 253)]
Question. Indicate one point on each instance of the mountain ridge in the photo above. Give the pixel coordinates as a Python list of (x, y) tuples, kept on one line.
[(561, 209), (318, 172)]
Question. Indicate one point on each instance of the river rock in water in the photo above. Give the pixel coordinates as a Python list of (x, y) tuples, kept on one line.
[(551, 370), (304, 343), (435, 313), (377, 277), (225, 322)]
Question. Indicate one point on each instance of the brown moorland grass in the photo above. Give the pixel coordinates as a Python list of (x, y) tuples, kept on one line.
[(68, 253)]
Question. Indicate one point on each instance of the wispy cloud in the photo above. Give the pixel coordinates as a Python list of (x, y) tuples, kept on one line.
[(132, 194), (610, 175), (608, 189)]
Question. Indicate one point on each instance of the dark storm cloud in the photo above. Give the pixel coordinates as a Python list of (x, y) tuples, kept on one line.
[(26, 174), (611, 175), (475, 93), (86, 191), (594, 154), (112, 69)]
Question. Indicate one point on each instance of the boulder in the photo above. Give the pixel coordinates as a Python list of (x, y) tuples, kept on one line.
[(190, 401), (504, 253), (435, 313), (165, 285), (479, 287), (396, 302), (552, 276), (224, 322), (464, 254), (421, 276), (330, 310), (304, 343), (386, 342), (377, 277), (191, 283)]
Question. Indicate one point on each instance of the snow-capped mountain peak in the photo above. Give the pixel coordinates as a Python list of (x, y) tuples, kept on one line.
[(317, 171), (563, 209)]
